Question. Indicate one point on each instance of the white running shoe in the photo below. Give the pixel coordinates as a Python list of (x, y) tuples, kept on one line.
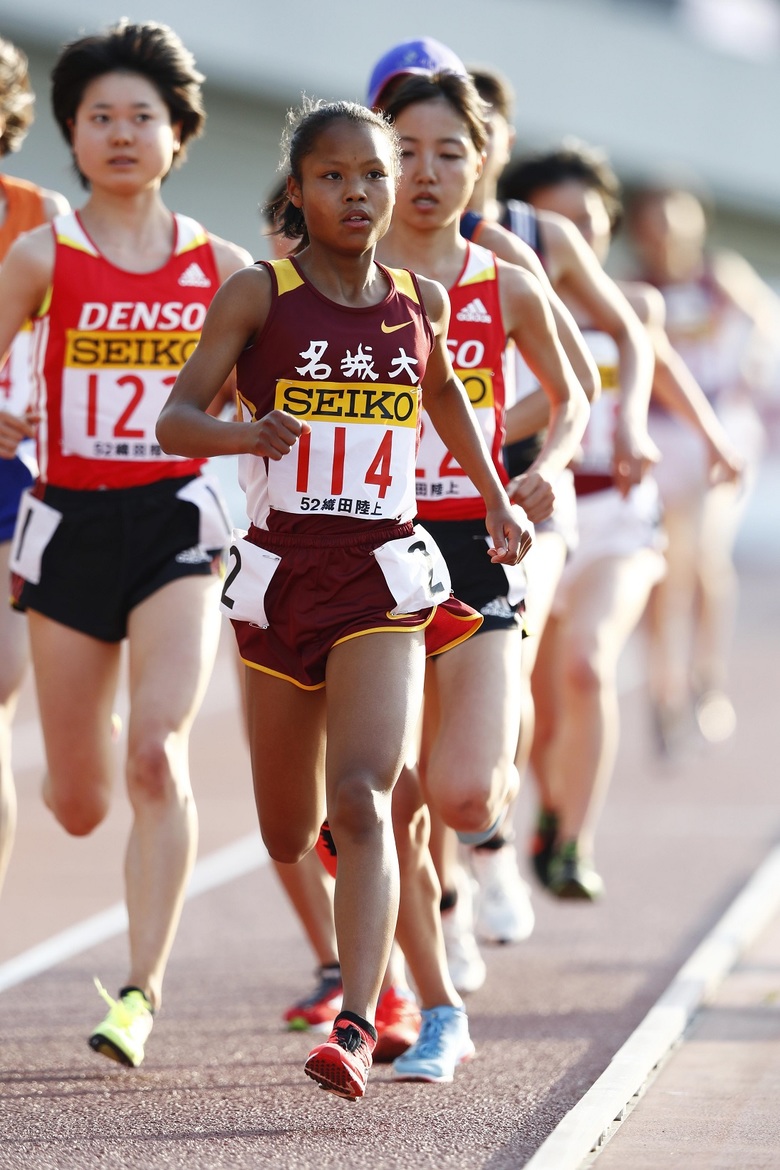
[(504, 910), (443, 1043), (466, 965), (715, 717)]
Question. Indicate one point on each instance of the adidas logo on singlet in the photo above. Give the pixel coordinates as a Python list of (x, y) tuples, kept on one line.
[(499, 607), (194, 277), (193, 556), (475, 311)]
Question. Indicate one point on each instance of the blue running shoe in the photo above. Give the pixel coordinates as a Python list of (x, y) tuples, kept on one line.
[(443, 1043)]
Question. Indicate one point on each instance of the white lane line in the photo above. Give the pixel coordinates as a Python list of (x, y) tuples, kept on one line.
[(218, 868), (590, 1122)]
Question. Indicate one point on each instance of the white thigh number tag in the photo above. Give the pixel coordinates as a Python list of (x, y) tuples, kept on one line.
[(205, 493), (517, 582), (250, 570), (415, 571), (36, 524)]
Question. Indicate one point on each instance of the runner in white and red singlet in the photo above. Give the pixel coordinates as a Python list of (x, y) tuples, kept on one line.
[(721, 318), (608, 578)]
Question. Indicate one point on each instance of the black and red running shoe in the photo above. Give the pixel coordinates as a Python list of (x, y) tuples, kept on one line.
[(343, 1062), (543, 845), (325, 849), (318, 1010)]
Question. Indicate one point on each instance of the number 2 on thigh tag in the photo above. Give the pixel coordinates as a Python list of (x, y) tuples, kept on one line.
[(434, 586), (226, 599)]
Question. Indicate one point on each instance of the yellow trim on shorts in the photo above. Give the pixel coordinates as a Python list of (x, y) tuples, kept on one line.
[(478, 619), (284, 677), (475, 622), (346, 638), (388, 629)]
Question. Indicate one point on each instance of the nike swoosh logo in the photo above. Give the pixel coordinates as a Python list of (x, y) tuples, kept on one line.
[(393, 328)]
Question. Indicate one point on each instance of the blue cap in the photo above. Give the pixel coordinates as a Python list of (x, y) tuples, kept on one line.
[(424, 55)]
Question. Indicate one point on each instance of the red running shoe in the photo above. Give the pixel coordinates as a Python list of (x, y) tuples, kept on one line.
[(318, 1010), (325, 849), (397, 1025), (343, 1062)]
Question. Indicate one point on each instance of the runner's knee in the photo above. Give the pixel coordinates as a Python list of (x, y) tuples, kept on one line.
[(150, 769), (79, 813), (287, 847), (471, 810), (582, 671), (357, 809)]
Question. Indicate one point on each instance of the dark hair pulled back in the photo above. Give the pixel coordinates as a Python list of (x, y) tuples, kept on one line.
[(457, 90), (304, 127), (573, 160)]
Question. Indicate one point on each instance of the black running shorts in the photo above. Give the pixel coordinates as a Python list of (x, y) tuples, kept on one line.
[(475, 579), (111, 550)]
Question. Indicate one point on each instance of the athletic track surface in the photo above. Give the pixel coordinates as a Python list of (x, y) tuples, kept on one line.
[(222, 1085)]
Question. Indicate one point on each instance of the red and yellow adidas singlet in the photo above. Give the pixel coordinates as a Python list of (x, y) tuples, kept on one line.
[(24, 210), (107, 346), (353, 374), (476, 342)]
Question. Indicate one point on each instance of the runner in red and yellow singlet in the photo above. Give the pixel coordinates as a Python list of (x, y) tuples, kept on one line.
[(118, 540), (472, 692)]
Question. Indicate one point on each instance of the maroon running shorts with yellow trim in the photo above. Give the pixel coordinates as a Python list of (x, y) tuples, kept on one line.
[(327, 588)]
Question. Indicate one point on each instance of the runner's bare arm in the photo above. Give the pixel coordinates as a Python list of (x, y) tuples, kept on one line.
[(25, 276), (448, 407), (529, 322), (54, 204), (743, 288), (582, 281), (235, 317), (507, 246), (675, 387), (230, 258)]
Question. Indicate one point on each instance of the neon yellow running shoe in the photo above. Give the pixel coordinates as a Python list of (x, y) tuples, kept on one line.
[(124, 1031)]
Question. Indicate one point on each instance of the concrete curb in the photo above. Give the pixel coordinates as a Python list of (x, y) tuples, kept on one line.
[(590, 1123)]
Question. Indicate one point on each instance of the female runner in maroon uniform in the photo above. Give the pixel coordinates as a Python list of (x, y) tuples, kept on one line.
[(332, 350), (118, 539)]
